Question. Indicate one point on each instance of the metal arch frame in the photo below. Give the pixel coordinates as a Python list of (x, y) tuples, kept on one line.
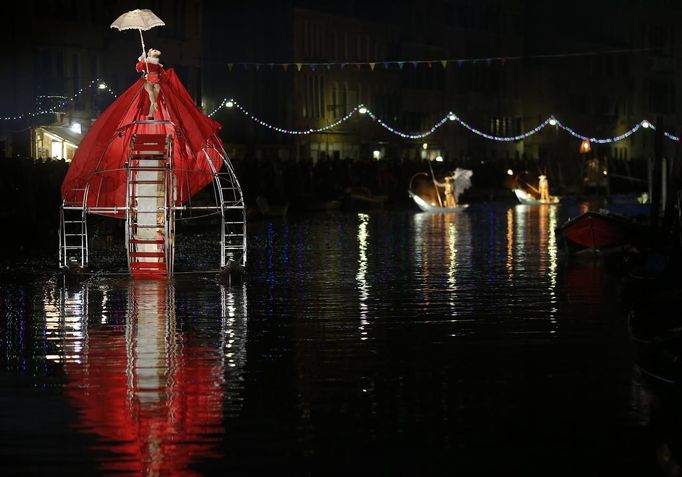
[(237, 203), (233, 234), (64, 245)]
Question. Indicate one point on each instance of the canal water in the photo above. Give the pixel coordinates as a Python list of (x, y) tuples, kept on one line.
[(379, 343)]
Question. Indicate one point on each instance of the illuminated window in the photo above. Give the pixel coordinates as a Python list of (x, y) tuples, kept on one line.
[(56, 149)]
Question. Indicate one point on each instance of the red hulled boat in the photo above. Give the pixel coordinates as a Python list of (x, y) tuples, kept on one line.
[(597, 231)]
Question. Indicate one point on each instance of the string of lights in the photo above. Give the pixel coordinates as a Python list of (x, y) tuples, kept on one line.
[(643, 124), (230, 103), (407, 135), (363, 110), (97, 82)]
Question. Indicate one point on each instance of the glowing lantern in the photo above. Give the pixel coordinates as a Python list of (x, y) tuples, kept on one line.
[(585, 147)]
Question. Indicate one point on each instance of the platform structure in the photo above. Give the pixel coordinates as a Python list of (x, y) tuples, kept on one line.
[(152, 180), (149, 219)]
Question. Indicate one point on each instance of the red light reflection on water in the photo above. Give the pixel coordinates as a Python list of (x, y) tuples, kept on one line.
[(152, 396)]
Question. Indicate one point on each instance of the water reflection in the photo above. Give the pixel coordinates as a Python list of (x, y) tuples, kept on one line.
[(443, 248), (423, 344), (585, 281), (65, 313), (153, 393), (361, 276), (522, 233), (233, 314), (532, 229)]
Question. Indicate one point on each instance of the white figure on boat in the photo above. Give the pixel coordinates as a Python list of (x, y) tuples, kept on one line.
[(453, 186), (541, 192)]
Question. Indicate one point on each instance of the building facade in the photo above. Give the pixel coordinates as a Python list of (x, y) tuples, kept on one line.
[(504, 75)]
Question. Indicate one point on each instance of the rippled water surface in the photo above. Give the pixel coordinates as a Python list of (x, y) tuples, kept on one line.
[(387, 343)]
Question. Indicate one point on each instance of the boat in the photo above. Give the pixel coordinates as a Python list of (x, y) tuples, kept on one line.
[(542, 192), (428, 207), (527, 199), (454, 186), (597, 231)]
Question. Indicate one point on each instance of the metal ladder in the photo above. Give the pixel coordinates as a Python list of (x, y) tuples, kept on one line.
[(150, 224), (233, 215), (73, 231)]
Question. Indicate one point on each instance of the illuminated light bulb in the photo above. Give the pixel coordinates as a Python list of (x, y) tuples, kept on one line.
[(552, 121), (510, 172), (425, 146), (102, 86), (451, 116), (646, 124), (362, 110), (439, 158), (229, 104)]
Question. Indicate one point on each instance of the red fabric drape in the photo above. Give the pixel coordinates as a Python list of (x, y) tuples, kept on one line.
[(101, 156)]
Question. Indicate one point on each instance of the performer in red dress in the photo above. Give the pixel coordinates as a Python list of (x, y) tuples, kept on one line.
[(101, 158), (153, 71)]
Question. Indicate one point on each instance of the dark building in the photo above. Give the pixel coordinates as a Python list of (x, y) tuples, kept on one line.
[(509, 66), (502, 67), (340, 56)]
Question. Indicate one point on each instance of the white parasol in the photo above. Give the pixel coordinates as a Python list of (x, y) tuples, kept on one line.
[(138, 20)]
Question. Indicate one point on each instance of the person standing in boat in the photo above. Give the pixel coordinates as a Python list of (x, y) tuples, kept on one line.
[(543, 188), (449, 191), (455, 185), (153, 71)]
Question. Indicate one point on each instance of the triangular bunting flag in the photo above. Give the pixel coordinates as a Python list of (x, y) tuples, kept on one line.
[(386, 64), (444, 63), (343, 65), (329, 66), (414, 63), (371, 66), (400, 64), (312, 67), (299, 66), (428, 63), (285, 66), (358, 66), (229, 66), (257, 66)]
